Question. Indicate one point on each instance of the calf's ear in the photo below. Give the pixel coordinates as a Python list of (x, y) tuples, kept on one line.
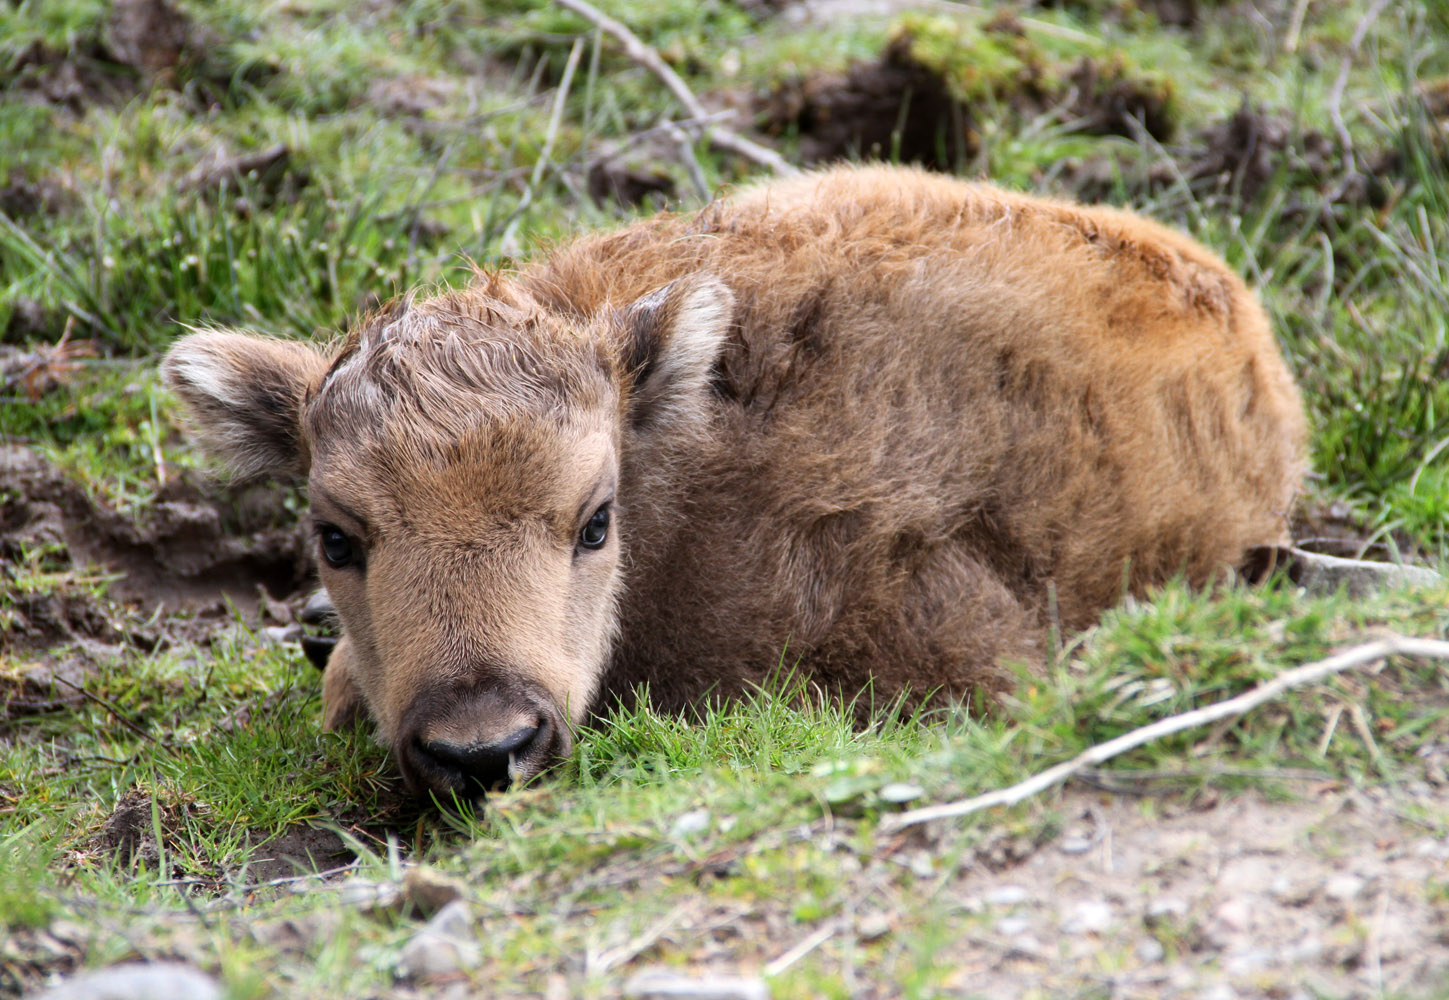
[(675, 335), (243, 396)]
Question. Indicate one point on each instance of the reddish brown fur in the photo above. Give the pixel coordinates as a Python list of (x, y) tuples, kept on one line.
[(877, 416)]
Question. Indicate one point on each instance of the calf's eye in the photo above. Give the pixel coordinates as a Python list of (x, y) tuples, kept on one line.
[(597, 530), (336, 549)]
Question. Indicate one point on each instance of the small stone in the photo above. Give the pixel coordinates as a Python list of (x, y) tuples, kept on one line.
[(1165, 909), (371, 896), (1149, 950), (279, 634), (1013, 926), (694, 822), (898, 792), (1218, 991), (922, 865), (1025, 946), (873, 926), (1007, 895), (1233, 916), (1246, 962), (443, 946), (295, 934), (1343, 887), (138, 981), (1232, 919), (1088, 916), (1292, 890), (1074, 845), (429, 891), (1430, 847), (663, 984)]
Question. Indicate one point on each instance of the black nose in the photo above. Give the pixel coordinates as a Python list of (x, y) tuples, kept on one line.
[(477, 766)]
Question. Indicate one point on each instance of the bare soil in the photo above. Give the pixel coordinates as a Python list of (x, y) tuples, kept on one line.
[(196, 548), (144, 43), (1334, 893), (128, 835), (896, 107)]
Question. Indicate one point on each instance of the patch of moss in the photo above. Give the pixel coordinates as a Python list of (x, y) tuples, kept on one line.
[(976, 62), (1003, 60)]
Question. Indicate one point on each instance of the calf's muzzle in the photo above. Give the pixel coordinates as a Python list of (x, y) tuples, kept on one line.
[(470, 741)]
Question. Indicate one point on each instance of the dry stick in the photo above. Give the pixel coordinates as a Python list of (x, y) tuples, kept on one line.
[(555, 119), (121, 716), (1335, 96), (805, 947), (1357, 656), (1295, 26), (722, 137)]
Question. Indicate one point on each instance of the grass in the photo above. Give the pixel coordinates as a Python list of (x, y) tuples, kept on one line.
[(718, 841)]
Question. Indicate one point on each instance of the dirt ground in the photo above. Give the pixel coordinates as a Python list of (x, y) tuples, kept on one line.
[(1333, 893)]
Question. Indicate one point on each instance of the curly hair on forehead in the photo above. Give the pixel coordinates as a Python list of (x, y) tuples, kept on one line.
[(449, 363)]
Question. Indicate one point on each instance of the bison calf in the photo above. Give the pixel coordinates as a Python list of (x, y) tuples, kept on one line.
[(867, 420)]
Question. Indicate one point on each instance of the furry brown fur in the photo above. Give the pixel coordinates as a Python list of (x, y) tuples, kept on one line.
[(864, 421)]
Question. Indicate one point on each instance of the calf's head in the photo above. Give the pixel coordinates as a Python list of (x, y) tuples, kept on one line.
[(462, 459)]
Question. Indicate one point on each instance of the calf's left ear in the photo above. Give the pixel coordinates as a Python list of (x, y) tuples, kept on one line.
[(675, 335), (243, 397)]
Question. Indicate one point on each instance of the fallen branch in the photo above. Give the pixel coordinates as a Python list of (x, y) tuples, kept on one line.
[(1357, 656), (1335, 96), (507, 241), (719, 136)]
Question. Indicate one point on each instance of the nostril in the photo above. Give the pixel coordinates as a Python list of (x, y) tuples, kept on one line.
[(486, 765)]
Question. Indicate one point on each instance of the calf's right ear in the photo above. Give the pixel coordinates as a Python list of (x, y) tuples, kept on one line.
[(243, 396)]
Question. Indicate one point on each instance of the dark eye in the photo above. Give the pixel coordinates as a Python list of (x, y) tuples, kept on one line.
[(336, 549), (597, 530)]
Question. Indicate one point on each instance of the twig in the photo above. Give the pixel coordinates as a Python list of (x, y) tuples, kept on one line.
[(125, 720), (1357, 656), (799, 951), (685, 146), (555, 119), (1361, 726), (720, 136), (1335, 96), (1290, 41), (1329, 728)]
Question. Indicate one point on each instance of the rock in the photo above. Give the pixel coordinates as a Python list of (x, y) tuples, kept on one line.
[(1149, 950), (1343, 887), (428, 892), (278, 635), (694, 822), (873, 926), (1025, 946), (663, 984), (1013, 926), (1074, 845), (1087, 916), (898, 792), (374, 897), (1292, 890), (1164, 909), (1007, 895), (443, 946), (138, 981), (922, 865), (1320, 574), (1248, 961), (1231, 921), (1217, 991)]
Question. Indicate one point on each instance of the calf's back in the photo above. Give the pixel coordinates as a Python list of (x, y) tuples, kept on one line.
[(938, 402)]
